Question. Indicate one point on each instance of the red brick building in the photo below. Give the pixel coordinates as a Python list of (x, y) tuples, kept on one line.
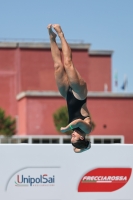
[(29, 92)]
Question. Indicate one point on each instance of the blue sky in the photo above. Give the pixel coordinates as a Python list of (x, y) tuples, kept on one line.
[(105, 24)]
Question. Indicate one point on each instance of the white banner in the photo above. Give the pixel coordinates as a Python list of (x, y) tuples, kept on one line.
[(55, 172)]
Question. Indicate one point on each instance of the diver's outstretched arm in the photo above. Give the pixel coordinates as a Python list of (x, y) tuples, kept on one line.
[(78, 123)]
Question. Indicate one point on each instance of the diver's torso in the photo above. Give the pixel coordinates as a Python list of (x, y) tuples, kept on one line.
[(77, 109)]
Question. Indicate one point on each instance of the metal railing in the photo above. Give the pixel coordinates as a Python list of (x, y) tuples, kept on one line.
[(59, 139)]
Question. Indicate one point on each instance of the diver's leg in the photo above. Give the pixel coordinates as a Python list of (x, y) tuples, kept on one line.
[(60, 74), (75, 80)]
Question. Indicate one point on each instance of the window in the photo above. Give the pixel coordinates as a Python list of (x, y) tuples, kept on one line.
[(67, 141), (107, 140)]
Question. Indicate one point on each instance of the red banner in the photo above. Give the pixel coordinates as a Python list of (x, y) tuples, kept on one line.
[(104, 179)]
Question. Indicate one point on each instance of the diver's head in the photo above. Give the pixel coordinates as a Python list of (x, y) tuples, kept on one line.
[(78, 139)]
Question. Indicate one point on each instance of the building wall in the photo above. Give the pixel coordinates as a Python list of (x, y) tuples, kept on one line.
[(114, 113), (36, 115), (112, 116), (37, 72), (37, 68), (22, 122), (8, 81), (23, 69), (99, 72)]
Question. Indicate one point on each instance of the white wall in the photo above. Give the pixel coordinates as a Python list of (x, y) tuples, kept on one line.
[(62, 170)]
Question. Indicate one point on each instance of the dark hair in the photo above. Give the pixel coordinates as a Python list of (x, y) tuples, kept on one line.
[(81, 144)]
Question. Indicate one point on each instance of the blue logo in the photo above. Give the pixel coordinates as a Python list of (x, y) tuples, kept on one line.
[(42, 180)]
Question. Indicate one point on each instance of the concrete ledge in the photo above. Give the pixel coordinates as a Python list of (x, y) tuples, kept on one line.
[(8, 45), (47, 45), (35, 45), (38, 94), (41, 45), (109, 95), (57, 94), (100, 52)]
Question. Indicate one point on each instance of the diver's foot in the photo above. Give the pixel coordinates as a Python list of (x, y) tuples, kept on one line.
[(52, 35), (58, 29)]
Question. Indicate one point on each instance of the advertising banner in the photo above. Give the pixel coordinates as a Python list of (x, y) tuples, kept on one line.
[(55, 172)]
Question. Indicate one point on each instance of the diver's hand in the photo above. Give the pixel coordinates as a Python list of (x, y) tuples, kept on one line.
[(63, 129)]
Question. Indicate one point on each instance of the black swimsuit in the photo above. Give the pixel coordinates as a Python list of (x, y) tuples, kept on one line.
[(74, 106)]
